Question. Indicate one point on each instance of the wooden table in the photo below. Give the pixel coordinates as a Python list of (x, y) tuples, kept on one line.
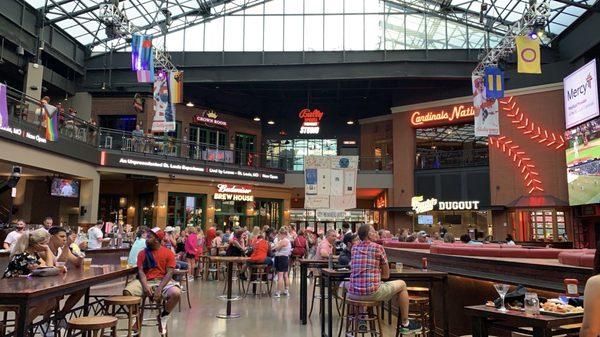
[(230, 260), (330, 276), (484, 317), (304, 265), (27, 291)]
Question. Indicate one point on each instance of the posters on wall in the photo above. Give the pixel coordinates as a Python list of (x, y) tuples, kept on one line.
[(581, 95), (164, 110), (486, 110), (330, 182)]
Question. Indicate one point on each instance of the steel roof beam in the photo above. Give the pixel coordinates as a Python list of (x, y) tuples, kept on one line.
[(73, 14)]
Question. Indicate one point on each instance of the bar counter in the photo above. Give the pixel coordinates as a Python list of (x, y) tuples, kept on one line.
[(471, 279), (105, 255)]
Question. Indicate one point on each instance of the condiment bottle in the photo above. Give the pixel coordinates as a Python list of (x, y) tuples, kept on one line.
[(424, 263), (571, 287)]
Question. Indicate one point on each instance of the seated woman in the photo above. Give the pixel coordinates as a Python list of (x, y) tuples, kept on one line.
[(29, 253), (236, 245), (591, 302)]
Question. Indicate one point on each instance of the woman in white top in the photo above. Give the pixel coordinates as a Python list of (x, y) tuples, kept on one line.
[(282, 249)]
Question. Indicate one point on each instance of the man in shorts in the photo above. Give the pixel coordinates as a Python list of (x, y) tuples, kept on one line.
[(155, 276), (368, 266)]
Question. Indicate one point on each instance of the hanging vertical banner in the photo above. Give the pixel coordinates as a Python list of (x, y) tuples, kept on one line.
[(494, 83), (3, 107), (487, 121), (51, 121), (337, 182), (145, 76), (176, 86), (310, 185), (164, 111), (528, 55), (138, 103), (142, 54)]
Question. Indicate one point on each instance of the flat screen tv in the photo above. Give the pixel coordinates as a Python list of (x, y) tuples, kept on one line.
[(68, 188), (425, 219), (584, 183), (454, 219), (583, 143)]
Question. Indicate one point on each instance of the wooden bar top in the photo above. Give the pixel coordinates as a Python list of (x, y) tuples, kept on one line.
[(75, 277), (520, 317)]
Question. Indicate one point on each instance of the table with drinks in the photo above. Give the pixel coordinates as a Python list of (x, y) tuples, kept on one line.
[(24, 292), (410, 275)]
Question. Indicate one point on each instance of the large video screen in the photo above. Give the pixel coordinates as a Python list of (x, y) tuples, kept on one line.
[(64, 188), (583, 143), (584, 183), (425, 219)]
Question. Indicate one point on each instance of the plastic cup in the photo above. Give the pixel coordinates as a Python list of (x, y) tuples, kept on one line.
[(399, 267), (87, 262), (124, 261)]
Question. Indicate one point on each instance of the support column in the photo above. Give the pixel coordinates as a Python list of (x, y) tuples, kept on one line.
[(33, 87), (89, 196)]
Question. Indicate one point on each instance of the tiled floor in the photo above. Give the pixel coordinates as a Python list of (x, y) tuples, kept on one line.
[(260, 317)]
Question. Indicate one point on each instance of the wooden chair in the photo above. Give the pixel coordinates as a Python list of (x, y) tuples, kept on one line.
[(92, 326), (131, 306), (8, 322), (185, 285)]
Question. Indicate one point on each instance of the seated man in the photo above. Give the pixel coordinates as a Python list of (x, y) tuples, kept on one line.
[(346, 254), (61, 253), (155, 276), (369, 265)]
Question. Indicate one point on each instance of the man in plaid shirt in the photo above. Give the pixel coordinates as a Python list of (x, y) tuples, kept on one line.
[(369, 265)]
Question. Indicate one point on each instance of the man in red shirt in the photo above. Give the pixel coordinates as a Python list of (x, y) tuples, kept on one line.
[(211, 234), (155, 276)]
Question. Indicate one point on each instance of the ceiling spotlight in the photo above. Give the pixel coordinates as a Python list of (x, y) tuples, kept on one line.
[(256, 119), (103, 85), (271, 122), (190, 104), (350, 122)]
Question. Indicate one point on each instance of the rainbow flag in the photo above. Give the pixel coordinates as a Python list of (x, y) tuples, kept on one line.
[(51, 116), (176, 86)]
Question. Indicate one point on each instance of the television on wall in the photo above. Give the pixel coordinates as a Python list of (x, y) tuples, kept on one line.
[(423, 219), (584, 183), (68, 188), (583, 143)]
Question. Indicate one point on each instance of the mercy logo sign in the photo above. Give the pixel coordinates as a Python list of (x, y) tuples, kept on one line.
[(581, 95)]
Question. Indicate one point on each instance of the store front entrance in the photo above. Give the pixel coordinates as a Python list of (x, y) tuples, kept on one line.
[(268, 212), (229, 213), (186, 210)]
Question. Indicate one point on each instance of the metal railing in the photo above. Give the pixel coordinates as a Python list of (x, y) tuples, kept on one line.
[(25, 112), (451, 159)]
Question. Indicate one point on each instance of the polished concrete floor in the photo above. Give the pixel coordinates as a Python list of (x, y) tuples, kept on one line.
[(260, 317)]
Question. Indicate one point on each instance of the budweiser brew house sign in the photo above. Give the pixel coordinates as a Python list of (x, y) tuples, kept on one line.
[(311, 121), (233, 192)]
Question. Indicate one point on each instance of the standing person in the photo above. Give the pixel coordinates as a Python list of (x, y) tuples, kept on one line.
[(591, 302), (325, 248), (155, 277), (95, 236), (443, 229), (216, 244), (191, 250), (211, 233), (138, 245), (47, 223), (346, 228), (282, 249), (300, 245), (169, 241), (13, 236), (312, 243), (369, 265)]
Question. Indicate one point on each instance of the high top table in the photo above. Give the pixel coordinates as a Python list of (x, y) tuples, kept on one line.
[(329, 276), (304, 265), (27, 291), (230, 260)]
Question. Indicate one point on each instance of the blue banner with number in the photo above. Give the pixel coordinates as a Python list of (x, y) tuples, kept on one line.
[(494, 83)]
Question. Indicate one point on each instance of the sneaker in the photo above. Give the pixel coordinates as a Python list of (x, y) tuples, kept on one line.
[(412, 327), (190, 279), (286, 293), (362, 326), (162, 324), (277, 295)]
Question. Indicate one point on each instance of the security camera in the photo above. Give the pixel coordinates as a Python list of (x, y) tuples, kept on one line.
[(16, 171)]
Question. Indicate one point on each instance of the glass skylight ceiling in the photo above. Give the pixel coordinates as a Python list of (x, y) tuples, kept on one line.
[(307, 25)]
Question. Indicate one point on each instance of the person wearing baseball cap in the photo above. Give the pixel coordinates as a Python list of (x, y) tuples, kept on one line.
[(155, 265)]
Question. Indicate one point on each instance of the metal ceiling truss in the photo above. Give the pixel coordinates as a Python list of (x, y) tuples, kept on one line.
[(206, 11), (536, 14)]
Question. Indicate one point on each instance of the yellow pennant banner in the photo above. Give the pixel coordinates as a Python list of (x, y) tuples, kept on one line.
[(528, 55)]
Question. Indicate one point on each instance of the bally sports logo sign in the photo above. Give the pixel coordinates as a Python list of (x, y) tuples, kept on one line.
[(581, 95)]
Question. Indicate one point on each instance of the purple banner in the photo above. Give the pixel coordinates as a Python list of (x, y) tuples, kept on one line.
[(3, 107)]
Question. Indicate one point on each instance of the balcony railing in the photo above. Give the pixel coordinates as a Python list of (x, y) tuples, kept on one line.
[(451, 159), (25, 112)]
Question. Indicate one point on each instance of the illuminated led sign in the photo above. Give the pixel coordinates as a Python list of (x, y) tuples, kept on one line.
[(210, 118), (458, 114), (310, 121), (421, 206), (233, 192)]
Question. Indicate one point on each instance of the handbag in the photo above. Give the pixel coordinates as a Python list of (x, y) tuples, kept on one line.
[(45, 271)]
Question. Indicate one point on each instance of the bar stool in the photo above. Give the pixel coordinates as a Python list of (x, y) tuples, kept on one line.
[(151, 306), (129, 305), (316, 294), (92, 326), (361, 318), (6, 322), (419, 309), (185, 285), (258, 276)]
